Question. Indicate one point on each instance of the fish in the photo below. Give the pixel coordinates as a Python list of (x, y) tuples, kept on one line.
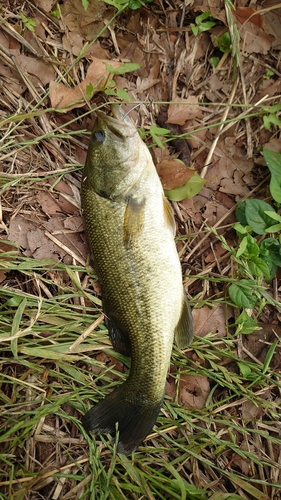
[(130, 227)]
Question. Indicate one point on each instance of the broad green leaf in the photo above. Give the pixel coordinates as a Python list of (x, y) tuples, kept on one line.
[(202, 17), (255, 216), (123, 95), (246, 324), (188, 190), (259, 268), (271, 248), (241, 293), (273, 215), (273, 229), (252, 248), (269, 120), (270, 252), (240, 213), (273, 161)]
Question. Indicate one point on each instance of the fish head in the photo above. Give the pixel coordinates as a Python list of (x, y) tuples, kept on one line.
[(116, 156)]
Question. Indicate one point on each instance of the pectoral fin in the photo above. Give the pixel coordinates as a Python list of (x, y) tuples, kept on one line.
[(133, 220), (169, 215), (184, 330)]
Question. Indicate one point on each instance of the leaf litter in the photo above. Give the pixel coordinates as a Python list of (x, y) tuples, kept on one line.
[(42, 218)]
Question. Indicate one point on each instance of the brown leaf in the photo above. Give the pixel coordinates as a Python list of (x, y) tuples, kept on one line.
[(187, 109), (255, 39), (64, 97), (36, 67), (207, 320), (194, 391), (173, 173), (244, 14), (88, 22)]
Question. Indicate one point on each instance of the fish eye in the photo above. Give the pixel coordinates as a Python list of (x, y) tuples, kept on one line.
[(98, 136)]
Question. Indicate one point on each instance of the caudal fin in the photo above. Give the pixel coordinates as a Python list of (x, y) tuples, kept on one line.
[(135, 419)]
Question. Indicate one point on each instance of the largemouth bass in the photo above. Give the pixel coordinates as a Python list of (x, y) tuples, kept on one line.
[(130, 228)]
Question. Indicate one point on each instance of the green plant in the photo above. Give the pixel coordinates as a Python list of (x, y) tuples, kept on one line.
[(224, 42), (270, 116), (204, 22), (120, 4), (28, 22)]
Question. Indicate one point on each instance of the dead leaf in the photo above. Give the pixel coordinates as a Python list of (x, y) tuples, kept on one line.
[(194, 391), (46, 5), (244, 463), (273, 145), (244, 14), (271, 20), (89, 23), (65, 97), (218, 251), (255, 39), (36, 67), (34, 241), (173, 173), (207, 320), (195, 139), (187, 109)]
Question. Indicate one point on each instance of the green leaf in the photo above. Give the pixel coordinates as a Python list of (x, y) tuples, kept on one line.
[(252, 248), (255, 216), (245, 369), (123, 95), (273, 161), (85, 4), (259, 268), (90, 91), (246, 324), (202, 17), (269, 120), (194, 29), (154, 130), (214, 61), (224, 42), (241, 293), (124, 68), (273, 229), (134, 4), (188, 190), (242, 247), (271, 248), (270, 252), (240, 213)]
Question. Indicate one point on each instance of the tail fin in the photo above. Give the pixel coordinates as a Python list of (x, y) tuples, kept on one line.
[(135, 419)]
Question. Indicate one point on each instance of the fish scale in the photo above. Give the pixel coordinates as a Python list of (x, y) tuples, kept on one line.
[(130, 228)]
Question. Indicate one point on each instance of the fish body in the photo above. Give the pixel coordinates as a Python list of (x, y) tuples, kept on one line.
[(130, 228)]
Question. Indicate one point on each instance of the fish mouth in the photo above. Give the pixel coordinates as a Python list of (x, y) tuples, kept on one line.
[(118, 122)]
